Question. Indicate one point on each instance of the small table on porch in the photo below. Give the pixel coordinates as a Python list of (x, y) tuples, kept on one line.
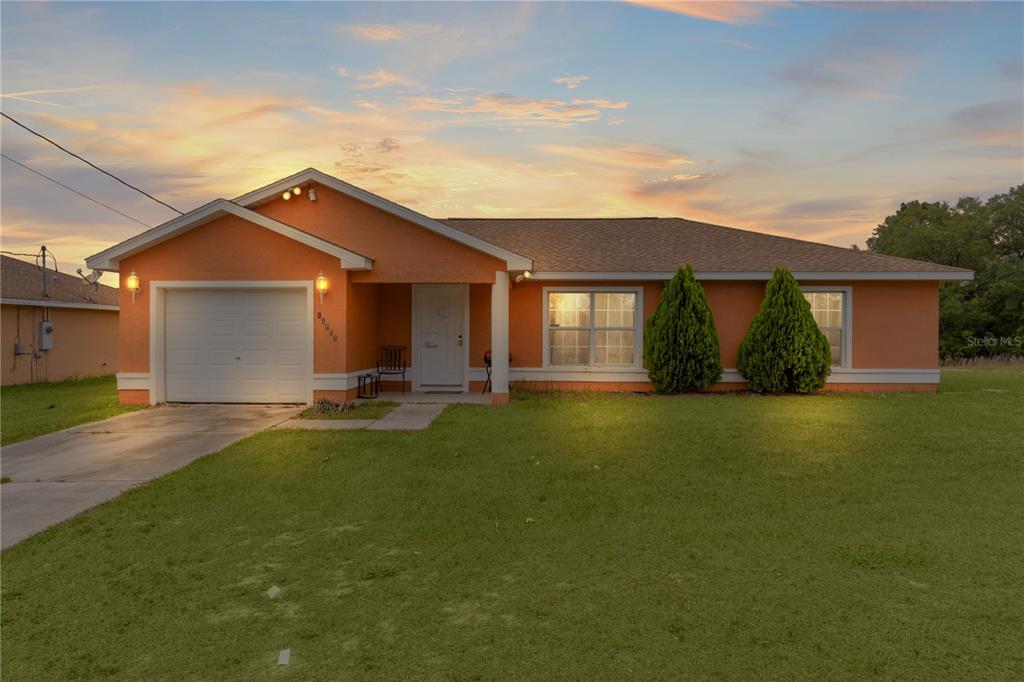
[(369, 386)]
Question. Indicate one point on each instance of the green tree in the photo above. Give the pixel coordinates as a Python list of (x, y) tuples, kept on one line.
[(784, 351), (1006, 213), (987, 237), (680, 342)]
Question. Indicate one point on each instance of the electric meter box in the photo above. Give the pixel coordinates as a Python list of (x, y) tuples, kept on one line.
[(45, 335)]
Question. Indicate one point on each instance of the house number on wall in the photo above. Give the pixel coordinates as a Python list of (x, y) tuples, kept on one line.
[(327, 326)]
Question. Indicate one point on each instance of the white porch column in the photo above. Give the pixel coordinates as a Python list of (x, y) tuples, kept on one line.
[(499, 339)]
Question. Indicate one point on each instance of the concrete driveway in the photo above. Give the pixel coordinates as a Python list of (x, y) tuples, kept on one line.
[(56, 476)]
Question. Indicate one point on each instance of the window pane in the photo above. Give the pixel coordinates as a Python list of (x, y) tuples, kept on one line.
[(614, 310), (835, 341), (827, 308), (568, 310), (614, 347), (569, 347)]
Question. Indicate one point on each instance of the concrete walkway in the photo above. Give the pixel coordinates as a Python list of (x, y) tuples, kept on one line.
[(408, 417), (404, 417), (56, 476)]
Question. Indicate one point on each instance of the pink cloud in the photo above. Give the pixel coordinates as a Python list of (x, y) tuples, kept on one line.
[(382, 79), (508, 107), (628, 156), (391, 32), (724, 12), (570, 82)]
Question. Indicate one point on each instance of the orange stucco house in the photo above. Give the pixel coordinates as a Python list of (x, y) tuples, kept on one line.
[(287, 293)]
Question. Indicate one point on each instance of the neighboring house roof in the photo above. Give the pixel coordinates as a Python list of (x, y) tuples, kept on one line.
[(109, 259), (21, 283), (606, 247), (514, 260)]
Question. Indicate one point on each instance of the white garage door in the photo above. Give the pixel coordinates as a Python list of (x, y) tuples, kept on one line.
[(237, 346)]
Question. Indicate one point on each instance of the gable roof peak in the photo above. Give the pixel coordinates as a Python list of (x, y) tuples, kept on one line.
[(109, 259), (514, 261)]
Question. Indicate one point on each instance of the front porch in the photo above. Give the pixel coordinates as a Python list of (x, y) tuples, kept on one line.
[(442, 329)]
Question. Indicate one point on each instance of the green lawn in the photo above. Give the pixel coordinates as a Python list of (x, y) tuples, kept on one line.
[(371, 409), (728, 536), (30, 410)]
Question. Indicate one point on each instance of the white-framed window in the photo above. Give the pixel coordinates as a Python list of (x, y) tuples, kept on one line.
[(831, 307), (593, 326)]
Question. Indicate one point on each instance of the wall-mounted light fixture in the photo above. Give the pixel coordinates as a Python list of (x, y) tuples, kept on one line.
[(131, 283), (321, 286), (525, 274)]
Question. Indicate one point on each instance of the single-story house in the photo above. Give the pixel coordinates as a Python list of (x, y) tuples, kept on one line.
[(54, 326), (288, 293)]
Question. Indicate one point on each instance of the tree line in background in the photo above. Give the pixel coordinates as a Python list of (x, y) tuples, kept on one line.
[(985, 316)]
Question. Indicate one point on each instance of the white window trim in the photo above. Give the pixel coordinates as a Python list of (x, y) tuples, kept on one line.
[(638, 344), (846, 361)]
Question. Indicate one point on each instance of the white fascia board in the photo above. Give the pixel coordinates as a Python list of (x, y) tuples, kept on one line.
[(513, 261), (758, 276), (45, 303), (109, 259)]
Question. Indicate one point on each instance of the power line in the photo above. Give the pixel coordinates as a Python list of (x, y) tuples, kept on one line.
[(86, 161), (72, 189)]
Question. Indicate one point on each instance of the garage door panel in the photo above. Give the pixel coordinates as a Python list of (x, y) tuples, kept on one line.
[(244, 345), (220, 327), (291, 358), (258, 328), (187, 326), (254, 387), (221, 358), (292, 391), (184, 357), (254, 358)]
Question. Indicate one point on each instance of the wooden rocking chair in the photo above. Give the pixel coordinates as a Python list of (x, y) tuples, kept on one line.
[(391, 361)]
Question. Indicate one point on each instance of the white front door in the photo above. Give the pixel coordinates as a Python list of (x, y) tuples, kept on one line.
[(236, 345), (439, 329)]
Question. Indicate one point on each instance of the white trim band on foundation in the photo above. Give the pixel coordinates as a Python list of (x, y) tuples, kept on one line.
[(801, 276), (133, 381), (348, 380), (729, 376)]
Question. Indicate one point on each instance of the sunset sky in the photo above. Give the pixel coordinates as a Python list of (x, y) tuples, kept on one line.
[(809, 120)]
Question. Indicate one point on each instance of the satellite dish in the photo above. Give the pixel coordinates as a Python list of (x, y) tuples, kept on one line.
[(92, 277)]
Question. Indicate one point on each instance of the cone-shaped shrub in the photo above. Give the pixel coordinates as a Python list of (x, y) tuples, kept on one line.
[(784, 350), (680, 341)]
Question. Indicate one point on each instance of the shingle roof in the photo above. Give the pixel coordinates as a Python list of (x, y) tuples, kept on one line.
[(664, 244), (24, 281)]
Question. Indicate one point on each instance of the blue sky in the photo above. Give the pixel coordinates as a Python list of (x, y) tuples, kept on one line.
[(810, 120)]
